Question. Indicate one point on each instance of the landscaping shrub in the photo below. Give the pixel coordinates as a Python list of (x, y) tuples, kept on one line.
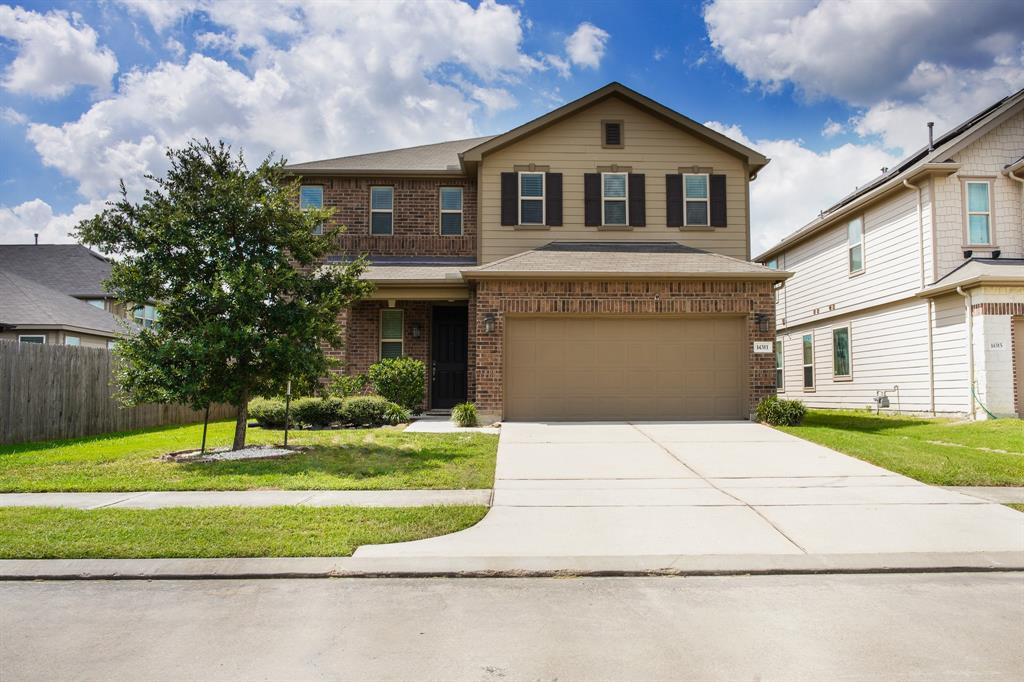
[(348, 385), (268, 412), (400, 380), (777, 412), (373, 410), (317, 411), (464, 414)]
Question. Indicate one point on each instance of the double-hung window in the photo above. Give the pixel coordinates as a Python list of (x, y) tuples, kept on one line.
[(531, 198), (382, 210), (979, 213), (451, 210), (392, 325), (697, 209), (614, 198), (312, 196), (841, 353), (808, 351), (146, 316), (855, 244), (779, 373)]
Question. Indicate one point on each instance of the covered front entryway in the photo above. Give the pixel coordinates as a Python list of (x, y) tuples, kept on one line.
[(626, 368)]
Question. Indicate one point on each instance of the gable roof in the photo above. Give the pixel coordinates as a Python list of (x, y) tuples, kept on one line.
[(441, 158), (755, 160), (69, 268), (25, 303), (979, 271), (924, 161)]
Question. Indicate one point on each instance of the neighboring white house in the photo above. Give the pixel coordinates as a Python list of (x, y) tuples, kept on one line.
[(915, 281)]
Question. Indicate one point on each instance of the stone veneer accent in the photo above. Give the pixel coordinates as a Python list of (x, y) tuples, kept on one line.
[(599, 297)]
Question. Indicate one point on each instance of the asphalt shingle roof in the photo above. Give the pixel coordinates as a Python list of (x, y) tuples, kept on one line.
[(69, 268), (24, 302), (439, 157)]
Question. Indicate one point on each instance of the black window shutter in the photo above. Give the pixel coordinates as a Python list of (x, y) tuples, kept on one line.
[(674, 200), (592, 199), (553, 199), (637, 200), (509, 199), (717, 194)]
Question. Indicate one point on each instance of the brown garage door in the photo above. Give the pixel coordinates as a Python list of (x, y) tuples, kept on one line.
[(561, 368)]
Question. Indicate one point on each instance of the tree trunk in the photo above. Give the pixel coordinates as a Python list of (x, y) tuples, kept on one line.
[(241, 421)]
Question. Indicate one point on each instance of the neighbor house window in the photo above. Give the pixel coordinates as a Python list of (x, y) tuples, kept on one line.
[(312, 196), (773, 264), (779, 374), (614, 197), (979, 213), (96, 303), (31, 338), (531, 198), (841, 353), (695, 196), (451, 210), (382, 210), (855, 244), (808, 350), (72, 341), (611, 134), (392, 324), (146, 316), (111, 344)]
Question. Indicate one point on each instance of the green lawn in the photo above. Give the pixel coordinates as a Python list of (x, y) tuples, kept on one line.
[(41, 533), (349, 459), (936, 451)]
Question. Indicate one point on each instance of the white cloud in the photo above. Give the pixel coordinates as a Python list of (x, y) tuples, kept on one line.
[(585, 47), (13, 116), (161, 14), (56, 52), (560, 64), (799, 182), (19, 224), (175, 47), (832, 128)]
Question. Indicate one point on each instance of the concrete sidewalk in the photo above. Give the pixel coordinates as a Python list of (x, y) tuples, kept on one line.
[(249, 498)]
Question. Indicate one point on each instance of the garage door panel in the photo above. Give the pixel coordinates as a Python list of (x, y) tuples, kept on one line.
[(625, 368)]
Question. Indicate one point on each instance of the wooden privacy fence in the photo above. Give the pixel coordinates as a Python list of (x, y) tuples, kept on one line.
[(49, 392)]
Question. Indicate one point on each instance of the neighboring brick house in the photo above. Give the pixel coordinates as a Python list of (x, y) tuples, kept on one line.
[(914, 284), (590, 264)]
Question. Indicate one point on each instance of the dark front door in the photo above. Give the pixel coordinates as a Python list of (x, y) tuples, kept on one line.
[(448, 357)]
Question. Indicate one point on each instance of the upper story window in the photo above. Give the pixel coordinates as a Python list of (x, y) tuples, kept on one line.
[(382, 210), (451, 210), (614, 198), (97, 303), (611, 134), (979, 213), (855, 244), (531, 198), (146, 316), (695, 198), (773, 263), (312, 196)]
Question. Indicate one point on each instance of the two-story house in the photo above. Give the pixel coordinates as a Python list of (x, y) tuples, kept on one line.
[(914, 284), (592, 263)]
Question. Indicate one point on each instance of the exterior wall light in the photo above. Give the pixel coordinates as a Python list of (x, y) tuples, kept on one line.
[(762, 321), (489, 323), (416, 330)]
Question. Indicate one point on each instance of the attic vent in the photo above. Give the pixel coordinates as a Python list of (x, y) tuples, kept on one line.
[(611, 134)]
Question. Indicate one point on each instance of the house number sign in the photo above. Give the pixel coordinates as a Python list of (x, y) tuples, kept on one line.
[(763, 347)]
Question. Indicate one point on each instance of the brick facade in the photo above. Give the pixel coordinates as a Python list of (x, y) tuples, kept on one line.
[(417, 230), (615, 298)]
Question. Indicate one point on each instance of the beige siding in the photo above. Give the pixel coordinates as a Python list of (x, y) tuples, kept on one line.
[(55, 336), (573, 147)]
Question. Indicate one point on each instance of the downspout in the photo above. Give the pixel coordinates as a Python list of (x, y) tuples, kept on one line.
[(920, 252), (970, 346)]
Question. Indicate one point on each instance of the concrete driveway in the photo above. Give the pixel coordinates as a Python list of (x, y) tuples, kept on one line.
[(711, 488)]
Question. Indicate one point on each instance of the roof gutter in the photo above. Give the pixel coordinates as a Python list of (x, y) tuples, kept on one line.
[(774, 275), (976, 281)]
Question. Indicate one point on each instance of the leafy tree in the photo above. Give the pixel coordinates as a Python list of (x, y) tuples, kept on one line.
[(231, 262)]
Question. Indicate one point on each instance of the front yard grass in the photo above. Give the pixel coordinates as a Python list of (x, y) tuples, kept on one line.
[(48, 533), (935, 451), (348, 459)]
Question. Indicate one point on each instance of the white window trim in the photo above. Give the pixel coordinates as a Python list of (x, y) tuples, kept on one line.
[(969, 212), (382, 210), (850, 247), (31, 336), (543, 197), (78, 340), (624, 200), (706, 200), (153, 320), (443, 210), (319, 229), (780, 365), (804, 365), (849, 350), (380, 333)]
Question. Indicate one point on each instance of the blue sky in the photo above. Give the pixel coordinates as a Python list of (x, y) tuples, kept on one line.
[(91, 92)]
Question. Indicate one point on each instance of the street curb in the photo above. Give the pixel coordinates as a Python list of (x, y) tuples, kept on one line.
[(504, 567)]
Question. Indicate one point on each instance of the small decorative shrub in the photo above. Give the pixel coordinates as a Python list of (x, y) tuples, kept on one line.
[(777, 412), (464, 414), (268, 412), (373, 410), (348, 385), (317, 411), (400, 380)]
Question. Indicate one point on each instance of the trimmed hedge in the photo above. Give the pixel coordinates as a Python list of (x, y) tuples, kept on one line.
[(777, 412), (364, 410), (400, 380), (373, 410), (268, 412), (317, 411)]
